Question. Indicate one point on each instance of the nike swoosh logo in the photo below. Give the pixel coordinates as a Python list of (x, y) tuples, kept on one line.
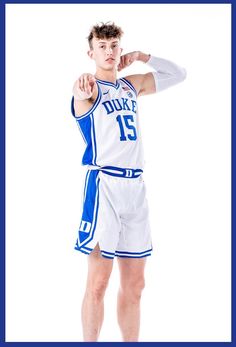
[(106, 92)]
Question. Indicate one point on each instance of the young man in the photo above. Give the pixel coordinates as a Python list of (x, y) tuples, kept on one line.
[(115, 213)]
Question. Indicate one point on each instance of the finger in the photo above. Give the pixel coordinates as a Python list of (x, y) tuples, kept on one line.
[(88, 91), (122, 62), (92, 78), (129, 60), (83, 81), (86, 82), (90, 81), (80, 84), (120, 67)]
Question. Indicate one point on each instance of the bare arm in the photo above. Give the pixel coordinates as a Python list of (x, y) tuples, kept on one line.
[(85, 92), (166, 73), (143, 83)]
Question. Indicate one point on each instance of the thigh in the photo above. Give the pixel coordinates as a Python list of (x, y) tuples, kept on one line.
[(99, 267), (131, 270)]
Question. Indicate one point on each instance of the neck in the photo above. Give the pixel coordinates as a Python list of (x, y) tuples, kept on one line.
[(109, 76)]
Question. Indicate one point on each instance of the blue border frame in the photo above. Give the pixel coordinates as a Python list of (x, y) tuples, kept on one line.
[(2, 176)]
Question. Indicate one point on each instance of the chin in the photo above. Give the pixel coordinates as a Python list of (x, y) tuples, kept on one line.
[(110, 68)]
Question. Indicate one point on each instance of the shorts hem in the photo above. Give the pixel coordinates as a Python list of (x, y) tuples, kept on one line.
[(124, 254), (133, 256), (120, 254)]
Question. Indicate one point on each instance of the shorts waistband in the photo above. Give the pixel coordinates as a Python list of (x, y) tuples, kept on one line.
[(117, 171)]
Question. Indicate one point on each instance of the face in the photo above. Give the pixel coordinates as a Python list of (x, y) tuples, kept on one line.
[(106, 53)]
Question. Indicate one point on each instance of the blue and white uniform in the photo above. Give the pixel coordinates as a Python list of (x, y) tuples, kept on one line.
[(111, 128), (115, 210)]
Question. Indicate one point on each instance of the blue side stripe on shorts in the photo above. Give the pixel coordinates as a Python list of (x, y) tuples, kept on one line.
[(96, 215), (91, 201)]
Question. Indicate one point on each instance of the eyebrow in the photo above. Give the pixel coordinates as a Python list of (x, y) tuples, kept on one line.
[(100, 42)]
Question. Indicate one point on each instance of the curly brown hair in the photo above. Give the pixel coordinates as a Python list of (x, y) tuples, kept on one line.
[(104, 31)]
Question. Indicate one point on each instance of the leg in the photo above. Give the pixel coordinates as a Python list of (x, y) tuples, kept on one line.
[(128, 305), (99, 270)]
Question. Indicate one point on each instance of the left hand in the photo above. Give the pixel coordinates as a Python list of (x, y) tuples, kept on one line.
[(127, 59)]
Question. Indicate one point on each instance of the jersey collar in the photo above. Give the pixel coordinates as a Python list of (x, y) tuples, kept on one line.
[(114, 85)]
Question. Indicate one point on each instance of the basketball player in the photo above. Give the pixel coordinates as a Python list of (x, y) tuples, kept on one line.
[(115, 213)]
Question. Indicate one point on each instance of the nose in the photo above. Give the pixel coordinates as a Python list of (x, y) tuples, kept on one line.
[(109, 50)]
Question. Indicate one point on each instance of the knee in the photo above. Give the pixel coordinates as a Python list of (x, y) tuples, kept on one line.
[(138, 287), (96, 289), (132, 289)]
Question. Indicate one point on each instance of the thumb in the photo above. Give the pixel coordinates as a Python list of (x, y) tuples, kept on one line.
[(92, 81)]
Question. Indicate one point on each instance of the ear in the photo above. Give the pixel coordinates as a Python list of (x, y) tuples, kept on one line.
[(90, 53)]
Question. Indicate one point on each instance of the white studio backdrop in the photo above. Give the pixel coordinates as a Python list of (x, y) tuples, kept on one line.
[(187, 142)]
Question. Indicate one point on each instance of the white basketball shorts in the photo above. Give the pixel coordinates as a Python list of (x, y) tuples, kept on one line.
[(115, 215)]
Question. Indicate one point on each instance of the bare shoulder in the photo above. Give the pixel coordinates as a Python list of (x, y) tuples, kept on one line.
[(143, 83)]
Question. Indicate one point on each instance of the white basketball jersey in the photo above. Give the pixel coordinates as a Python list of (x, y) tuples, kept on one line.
[(110, 128)]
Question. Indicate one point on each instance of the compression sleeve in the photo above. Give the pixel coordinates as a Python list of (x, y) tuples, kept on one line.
[(167, 74)]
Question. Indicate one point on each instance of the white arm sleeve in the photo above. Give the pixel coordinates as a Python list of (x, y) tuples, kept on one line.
[(167, 74)]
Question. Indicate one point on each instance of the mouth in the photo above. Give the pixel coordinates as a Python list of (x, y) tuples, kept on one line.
[(110, 59)]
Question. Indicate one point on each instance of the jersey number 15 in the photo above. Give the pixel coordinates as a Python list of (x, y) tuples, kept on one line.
[(127, 130)]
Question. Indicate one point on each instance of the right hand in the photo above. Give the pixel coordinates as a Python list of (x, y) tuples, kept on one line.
[(127, 59), (84, 87)]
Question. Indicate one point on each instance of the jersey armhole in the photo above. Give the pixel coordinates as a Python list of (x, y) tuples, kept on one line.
[(129, 84)]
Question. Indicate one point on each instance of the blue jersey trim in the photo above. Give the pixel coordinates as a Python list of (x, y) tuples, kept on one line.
[(94, 141), (129, 84), (107, 83), (87, 129), (85, 125), (72, 107), (91, 109), (81, 132)]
